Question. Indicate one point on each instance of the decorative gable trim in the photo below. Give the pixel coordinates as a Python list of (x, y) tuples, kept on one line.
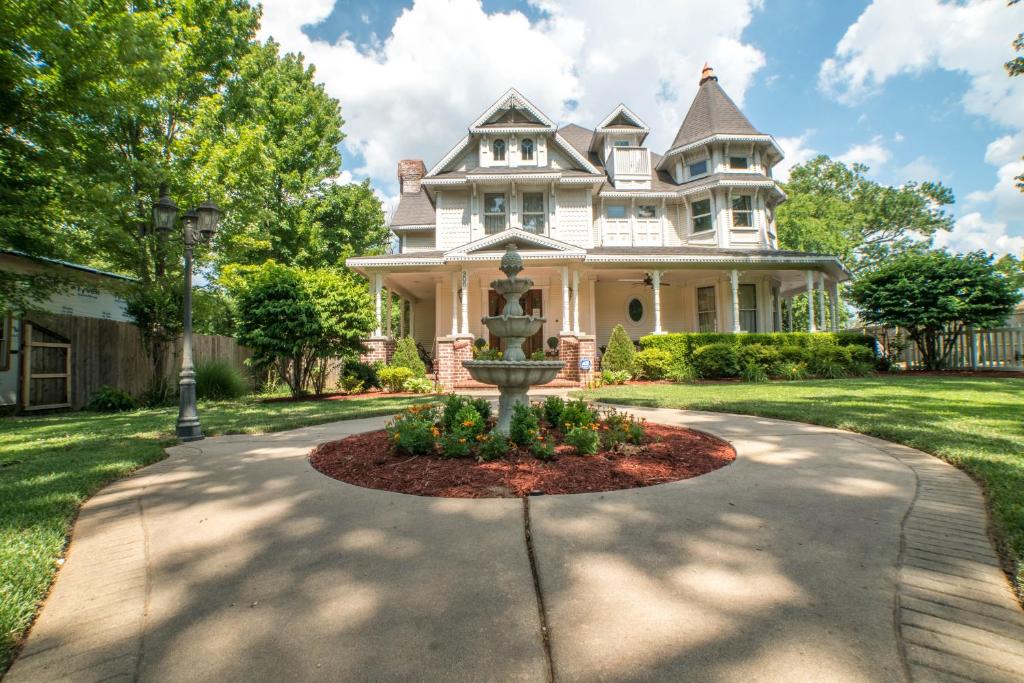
[(575, 155), (521, 238), (625, 111), (721, 137), (439, 166), (514, 98)]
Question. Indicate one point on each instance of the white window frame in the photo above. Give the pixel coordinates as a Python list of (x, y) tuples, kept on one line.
[(749, 212), (523, 144), (753, 310), (610, 217), (707, 167), (694, 216), (746, 160), (713, 311), (643, 311), (652, 217), (504, 150), (504, 214), (621, 142), (523, 213)]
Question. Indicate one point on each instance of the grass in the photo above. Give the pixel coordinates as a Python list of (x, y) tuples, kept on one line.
[(49, 465), (977, 424)]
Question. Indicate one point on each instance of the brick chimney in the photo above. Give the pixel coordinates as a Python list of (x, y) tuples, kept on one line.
[(410, 172)]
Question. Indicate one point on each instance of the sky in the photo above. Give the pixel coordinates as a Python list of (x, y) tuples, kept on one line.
[(914, 89)]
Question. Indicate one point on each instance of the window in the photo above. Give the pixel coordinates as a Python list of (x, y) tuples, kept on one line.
[(707, 317), (526, 149), (702, 215), (621, 143), (646, 211), (748, 308), (5, 341), (616, 211), (635, 310), (742, 214), (495, 213), (533, 212), (698, 168), (498, 150), (739, 163)]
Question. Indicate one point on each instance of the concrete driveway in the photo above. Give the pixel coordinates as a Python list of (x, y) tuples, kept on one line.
[(817, 555)]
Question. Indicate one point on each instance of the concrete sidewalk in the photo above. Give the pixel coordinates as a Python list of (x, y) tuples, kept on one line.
[(817, 555)]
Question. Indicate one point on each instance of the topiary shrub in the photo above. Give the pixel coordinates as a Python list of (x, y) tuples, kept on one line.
[(653, 364), (393, 378), (716, 361), (219, 381), (553, 343), (408, 356), (620, 354), (108, 399)]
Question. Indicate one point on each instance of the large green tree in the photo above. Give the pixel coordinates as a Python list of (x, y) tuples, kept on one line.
[(934, 295), (1015, 67), (836, 209)]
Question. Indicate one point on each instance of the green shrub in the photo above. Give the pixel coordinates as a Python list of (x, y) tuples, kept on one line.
[(525, 427), (759, 355), (862, 360), (393, 378), (468, 421), (485, 353), (553, 343), (716, 361), (577, 413), (752, 372), (537, 355), (108, 399), (620, 354), (408, 356), (554, 406), (584, 439), (541, 449), (218, 381), (653, 364), (418, 385), (457, 445), (363, 372), (829, 362), (682, 373), (794, 354), (413, 430), (492, 446), (615, 376), (619, 427), (454, 403), (791, 370), (352, 385)]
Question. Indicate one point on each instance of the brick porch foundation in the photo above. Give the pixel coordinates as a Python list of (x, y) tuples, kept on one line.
[(378, 350), (571, 348), (451, 351)]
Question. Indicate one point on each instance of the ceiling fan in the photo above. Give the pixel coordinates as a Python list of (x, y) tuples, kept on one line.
[(647, 281)]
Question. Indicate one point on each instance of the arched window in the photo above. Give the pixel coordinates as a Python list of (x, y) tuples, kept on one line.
[(635, 310), (498, 150), (526, 148)]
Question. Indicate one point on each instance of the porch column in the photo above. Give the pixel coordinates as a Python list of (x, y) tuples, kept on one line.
[(777, 295), (378, 280), (735, 282), (565, 300), (823, 324), (576, 301), (656, 287), (833, 294), (789, 315), (412, 319), (810, 302), (455, 304), (389, 302), (465, 302)]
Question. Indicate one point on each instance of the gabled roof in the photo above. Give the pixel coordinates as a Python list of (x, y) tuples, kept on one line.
[(712, 113), (413, 209), (503, 114), (521, 238), (622, 118)]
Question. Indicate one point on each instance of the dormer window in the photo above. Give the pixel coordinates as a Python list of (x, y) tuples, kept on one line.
[(742, 212), (526, 149), (739, 163), (621, 143), (498, 150), (698, 168)]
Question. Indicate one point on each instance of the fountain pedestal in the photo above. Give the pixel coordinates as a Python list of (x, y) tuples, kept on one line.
[(514, 374)]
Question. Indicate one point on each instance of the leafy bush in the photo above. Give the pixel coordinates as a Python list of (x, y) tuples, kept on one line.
[(457, 445), (619, 427), (791, 370), (752, 372), (492, 446), (468, 422), (862, 360), (413, 430), (363, 372), (653, 364), (682, 373), (584, 439), (553, 407), (577, 413), (615, 376), (759, 355), (553, 343), (108, 399), (830, 362), (418, 385), (408, 356), (794, 354), (525, 426), (537, 355), (485, 353), (620, 354), (541, 449), (454, 403), (218, 381), (716, 361), (393, 378)]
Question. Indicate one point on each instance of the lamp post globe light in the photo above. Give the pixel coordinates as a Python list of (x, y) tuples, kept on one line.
[(199, 226)]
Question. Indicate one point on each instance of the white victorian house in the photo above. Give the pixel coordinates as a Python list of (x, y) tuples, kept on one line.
[(611, 233)]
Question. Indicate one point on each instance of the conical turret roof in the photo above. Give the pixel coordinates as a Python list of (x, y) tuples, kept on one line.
[(712, 113)]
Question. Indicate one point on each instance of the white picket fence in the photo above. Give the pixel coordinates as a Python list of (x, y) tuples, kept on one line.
[(998, 348)]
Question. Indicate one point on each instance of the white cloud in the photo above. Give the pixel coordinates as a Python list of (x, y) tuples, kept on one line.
[(796, 151), (973, 232), (1005, 200), (412, 94), (921, 169), (873, 154)]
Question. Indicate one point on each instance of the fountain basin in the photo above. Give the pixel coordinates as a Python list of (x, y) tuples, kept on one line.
[(514, 379), (505, 326)]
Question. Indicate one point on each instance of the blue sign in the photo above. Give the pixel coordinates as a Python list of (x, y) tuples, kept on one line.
[(585, 364)]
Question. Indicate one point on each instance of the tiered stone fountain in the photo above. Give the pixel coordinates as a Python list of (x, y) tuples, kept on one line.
[(514, 374)]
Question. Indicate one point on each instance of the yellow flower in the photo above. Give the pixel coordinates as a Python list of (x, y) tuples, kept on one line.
[(435, 431), (462, 441)]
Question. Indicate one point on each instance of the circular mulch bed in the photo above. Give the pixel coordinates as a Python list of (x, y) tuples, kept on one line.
[(668, 454)]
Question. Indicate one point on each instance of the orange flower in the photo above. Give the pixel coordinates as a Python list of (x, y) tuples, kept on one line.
[(435, 431), (467, 423), (462, 440)]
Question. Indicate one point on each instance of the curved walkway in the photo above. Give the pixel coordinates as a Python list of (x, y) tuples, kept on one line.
[(817, 555)]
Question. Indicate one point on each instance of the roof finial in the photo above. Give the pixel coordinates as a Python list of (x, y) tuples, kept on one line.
[(707, 74)]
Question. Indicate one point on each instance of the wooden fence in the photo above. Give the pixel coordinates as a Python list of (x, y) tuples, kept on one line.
[(998, 348), (106, 352)]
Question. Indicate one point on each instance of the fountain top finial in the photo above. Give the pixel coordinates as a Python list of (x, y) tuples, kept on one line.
[(511, 262)]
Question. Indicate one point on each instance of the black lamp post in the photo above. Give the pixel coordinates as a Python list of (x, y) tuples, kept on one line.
[(200, 225)]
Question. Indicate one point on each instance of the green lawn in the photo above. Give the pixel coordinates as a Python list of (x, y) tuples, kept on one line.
[(976, 424), (50, 465)]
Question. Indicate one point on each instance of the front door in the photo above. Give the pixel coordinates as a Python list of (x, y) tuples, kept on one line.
[(532, 305)]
